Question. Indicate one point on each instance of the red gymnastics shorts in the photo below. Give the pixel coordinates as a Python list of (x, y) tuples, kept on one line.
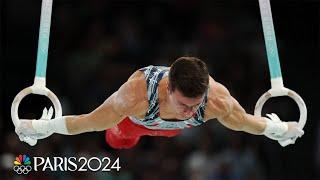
[(126, 134)]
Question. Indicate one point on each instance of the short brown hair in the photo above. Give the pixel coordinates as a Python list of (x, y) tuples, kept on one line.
[(190, 76)]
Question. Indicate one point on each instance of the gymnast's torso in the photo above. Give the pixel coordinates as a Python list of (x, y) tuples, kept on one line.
[(152, 120)]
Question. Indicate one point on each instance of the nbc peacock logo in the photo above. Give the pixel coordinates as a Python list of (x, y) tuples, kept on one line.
[(22, 164)]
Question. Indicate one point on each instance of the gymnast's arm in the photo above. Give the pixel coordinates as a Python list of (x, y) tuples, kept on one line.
[(129, 100), (228, 111)]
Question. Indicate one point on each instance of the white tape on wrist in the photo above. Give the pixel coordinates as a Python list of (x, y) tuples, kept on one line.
[(59, 125), (275, 129), (41, 126)]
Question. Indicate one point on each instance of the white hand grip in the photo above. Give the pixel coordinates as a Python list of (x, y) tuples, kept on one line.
[(283, 92), (286, 142), (34, 89), (30, 141)]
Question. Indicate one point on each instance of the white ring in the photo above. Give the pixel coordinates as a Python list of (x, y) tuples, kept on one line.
[(33, 90), (283, 92)]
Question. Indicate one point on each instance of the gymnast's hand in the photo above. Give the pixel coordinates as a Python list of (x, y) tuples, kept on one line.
[(284, 132), (290, 137), (33, 128)]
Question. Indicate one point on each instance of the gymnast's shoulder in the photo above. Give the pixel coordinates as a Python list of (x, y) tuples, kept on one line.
[(218, 100), (132, 98)]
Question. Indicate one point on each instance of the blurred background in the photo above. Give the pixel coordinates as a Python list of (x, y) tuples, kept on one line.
[(95, 45)]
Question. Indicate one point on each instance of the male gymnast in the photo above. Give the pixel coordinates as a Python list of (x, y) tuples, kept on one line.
[(161, 101)]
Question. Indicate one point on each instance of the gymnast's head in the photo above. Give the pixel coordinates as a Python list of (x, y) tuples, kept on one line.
[(188, 83)]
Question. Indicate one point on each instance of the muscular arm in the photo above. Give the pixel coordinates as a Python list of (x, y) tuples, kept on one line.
[(228, 111), (104, 117), (129, 100), (237, 119)]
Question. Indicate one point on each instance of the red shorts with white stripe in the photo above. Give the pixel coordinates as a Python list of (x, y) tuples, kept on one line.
[(127, 134)]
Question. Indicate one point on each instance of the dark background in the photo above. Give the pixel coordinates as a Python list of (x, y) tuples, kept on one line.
[(96, 44)]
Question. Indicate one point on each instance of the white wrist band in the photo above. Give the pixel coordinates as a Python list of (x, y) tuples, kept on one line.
[(41, 126), (57, 125), (275, 128)]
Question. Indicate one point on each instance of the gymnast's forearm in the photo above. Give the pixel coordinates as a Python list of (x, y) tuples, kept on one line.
[(106, 116), (264, 126), (100, 119), (239, 120), (253, 124), (87, 123)]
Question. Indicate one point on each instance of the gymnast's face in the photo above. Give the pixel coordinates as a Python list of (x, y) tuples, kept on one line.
[(184, 106)]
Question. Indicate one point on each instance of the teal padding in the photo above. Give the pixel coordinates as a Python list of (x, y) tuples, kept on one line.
[(44, 34), (270, 39), (42, 59)]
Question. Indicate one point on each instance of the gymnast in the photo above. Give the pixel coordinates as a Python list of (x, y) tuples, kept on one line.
[(161, 101)]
